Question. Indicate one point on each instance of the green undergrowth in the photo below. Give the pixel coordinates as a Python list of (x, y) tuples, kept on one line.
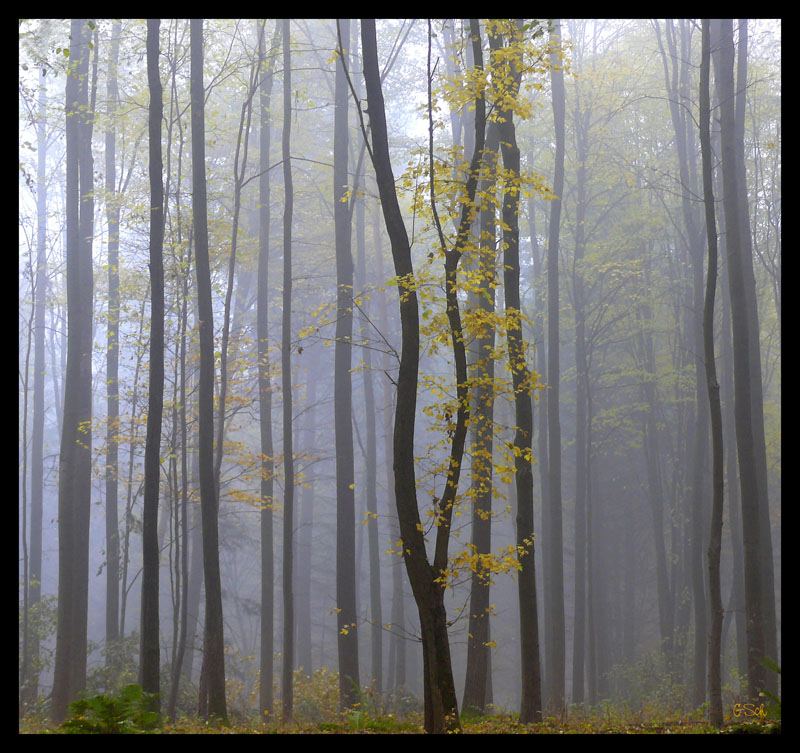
[(316, 711), (362, 722)]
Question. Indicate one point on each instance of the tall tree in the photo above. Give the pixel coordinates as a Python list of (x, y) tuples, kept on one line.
[(717, 470), (756, 390), (478, 672), (75, 462), (441, 705), (112, 359), (347, 618), (677, 84), (742, 355), (286, 384), (358, 202), (554, 562), (31, 656), (213, 695), (149, 664), (522, 380), (581, 123), (266, 663)]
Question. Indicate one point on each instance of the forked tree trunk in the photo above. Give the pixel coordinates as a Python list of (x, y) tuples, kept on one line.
[(441, 705)]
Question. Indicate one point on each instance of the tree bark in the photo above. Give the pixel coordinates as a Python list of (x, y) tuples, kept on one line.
[(266, 645), (30, 676), (346, 615), (214, 655), (441, 706), (742, 355), (715, 539), (554, 565), (74, 478), (112, 364), (149, 653), (478, 677), (286, 383)]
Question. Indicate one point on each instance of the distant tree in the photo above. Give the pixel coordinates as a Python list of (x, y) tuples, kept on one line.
[(554, 562), (112, 357), (31, 655), (346, 615), (286, 383), (264, 382)]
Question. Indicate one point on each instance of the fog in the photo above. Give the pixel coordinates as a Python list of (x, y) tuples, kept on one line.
[(622, 501)]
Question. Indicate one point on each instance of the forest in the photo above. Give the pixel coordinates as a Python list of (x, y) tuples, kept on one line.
[(399, 376)]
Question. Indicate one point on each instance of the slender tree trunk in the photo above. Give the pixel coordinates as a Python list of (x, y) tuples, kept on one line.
[(477, 680), (397, 644), (346, 616), (679, 45), (266, 646), (112, 365), (715, 540), (286, 376), (239, 168), (214, 656), (654, 475), (305, 534), (554, 565), (441, 706), (31, 677), (742, 355), (756, 390), (149, 653), (581, 398), (531, 702), (74, 483), (181, 618), (371, 491)]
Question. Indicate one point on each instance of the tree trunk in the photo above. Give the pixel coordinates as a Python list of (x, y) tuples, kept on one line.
[(441, 706), (31, 676), (371, 491), (554, 565), (266, 645), (346, 615), (715, 540), (742, 355), (112, 365), (477, 680), (581, 398), (149, 652), (286, 383), (74, 478), (214, 655), (756, 390)]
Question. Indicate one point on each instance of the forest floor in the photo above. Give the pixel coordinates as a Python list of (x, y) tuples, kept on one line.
[(494, 724)]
